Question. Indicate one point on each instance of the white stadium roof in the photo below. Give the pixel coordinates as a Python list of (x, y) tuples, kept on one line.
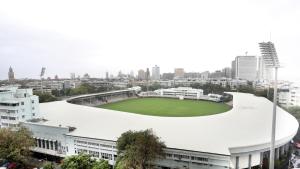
[(247, 124)]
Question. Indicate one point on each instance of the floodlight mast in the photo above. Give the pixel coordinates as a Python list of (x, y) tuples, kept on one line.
[(270, 58)]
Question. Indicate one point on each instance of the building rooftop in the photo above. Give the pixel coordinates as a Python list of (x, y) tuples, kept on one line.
[(247, 124)]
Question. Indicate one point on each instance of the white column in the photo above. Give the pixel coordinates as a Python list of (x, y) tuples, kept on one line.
[(261, 158), (249, 161), (281, 150), (277, 153), (237, 165)]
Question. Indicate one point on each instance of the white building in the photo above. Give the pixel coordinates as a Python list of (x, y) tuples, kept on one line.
[(289, 95), (181, 92), (214, 97), (17, 105), (245, 67), (155, 73), (192, 142)]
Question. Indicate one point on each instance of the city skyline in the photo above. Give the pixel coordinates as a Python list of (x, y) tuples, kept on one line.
[(109, 38)]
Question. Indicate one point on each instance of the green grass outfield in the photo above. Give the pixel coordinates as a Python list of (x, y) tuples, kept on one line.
[(168, 107)]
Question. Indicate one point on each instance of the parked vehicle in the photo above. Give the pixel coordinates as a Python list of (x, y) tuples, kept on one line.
[(5, 164), (12, 166)]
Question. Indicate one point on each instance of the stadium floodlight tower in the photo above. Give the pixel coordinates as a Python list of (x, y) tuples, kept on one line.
[(270, 59)]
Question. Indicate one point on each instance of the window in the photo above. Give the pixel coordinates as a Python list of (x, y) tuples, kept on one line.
[(33, 114), (11, 111), (32, 108), (106, 156), (13, 125), (32, 101), (22, 103), (9, 104), (94, 153), (169, 155), (105, 145), (12, 118), (179, 156), (23, 116), (4, 117), (199, 158), (4, 124)]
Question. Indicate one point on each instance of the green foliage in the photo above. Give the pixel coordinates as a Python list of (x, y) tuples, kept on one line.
[(45, 97), (119, 164), (49, 166), (56, 93), (14, 145), (267, 93), (151, 87), (168, 107), (245, 89), (138, 149), (281, 163), (101, 165), (82, 89), (211, 88), (83, 161), (295, 111)]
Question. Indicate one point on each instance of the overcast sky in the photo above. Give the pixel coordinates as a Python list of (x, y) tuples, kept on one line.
[(98, 36)]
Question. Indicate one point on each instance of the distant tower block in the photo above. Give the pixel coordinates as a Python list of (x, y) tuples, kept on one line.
[(11, 75)]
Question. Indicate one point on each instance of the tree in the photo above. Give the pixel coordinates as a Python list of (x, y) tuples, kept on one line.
[(15, 145), (45, 97), (295, 111), (56, 92), (83, 161), (138, 149), (49, 166), (101, 165)]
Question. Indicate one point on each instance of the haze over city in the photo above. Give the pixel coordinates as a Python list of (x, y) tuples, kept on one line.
[(95, 37), (160, 84)]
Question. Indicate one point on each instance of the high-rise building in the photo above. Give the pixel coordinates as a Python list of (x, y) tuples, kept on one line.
[(17, 105), (168, 76), (179, 72), (245, 67), (73, 76), (216, 75), (131, 74), (265, 73), (155, 73), (11, 75), (147, 75), (233, 67), (226, 72), (192, 75), (106, 75), (141, 74), (204, 75)]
